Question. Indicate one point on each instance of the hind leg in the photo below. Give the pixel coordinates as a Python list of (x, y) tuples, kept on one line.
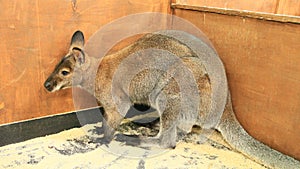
[(168, 109), (168, 106), (166, 138)]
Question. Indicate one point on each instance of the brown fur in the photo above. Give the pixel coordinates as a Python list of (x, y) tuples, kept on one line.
[(167, 94)]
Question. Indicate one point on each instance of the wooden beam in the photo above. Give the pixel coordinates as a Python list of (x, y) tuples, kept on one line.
[(240, 13)]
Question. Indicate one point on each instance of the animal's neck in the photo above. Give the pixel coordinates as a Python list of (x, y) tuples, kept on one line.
[(89, 75)]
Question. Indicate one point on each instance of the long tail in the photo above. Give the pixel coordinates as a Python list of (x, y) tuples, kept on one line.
[(240, 140)]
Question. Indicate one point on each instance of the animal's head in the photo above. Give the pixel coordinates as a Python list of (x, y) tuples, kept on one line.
[(63, 75)]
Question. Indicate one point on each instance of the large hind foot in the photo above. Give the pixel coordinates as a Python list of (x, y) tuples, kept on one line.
[(167, 139)]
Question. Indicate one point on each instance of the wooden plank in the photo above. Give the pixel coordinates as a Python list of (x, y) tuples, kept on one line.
[(240, 13), (262, 63), (285, 7), (34, 37), (257, 6), (289, 7)]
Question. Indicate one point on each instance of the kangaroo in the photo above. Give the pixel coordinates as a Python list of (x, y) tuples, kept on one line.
[(159, 89)]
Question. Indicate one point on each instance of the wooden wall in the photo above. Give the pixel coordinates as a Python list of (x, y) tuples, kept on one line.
[(286, 7), (34, 37), (262, 61)]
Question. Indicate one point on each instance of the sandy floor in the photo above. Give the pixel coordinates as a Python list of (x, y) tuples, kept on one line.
[(73, 149)]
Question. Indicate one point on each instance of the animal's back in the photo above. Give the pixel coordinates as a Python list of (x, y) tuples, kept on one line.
[(111, 63)]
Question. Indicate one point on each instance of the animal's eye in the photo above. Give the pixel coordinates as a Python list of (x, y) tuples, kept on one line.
[(65, 73)]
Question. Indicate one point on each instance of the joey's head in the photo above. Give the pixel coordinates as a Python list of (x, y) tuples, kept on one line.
[(70, 65)]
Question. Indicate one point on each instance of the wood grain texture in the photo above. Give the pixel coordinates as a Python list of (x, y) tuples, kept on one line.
[(289, 7), (262, 63), (257, 6), (34, 37)]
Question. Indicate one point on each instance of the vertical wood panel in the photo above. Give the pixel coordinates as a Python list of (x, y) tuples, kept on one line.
[(262, 63), (257, 6), (289, 7), (34, 37)]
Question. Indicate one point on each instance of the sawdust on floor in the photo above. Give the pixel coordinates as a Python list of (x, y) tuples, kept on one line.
[(73, 149)]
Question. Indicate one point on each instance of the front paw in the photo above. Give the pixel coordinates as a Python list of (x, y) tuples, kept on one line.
[(108, 133)]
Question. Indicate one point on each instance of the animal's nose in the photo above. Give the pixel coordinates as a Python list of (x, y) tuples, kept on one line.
[(47, 85)]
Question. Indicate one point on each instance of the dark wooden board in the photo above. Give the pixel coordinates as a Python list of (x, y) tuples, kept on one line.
[(29, 129)]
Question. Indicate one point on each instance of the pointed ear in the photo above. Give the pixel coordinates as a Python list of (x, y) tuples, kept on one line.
[(79, 55), (77, 40)]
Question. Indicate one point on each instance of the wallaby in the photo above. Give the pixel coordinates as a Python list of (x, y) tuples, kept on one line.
[(166, 98)]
